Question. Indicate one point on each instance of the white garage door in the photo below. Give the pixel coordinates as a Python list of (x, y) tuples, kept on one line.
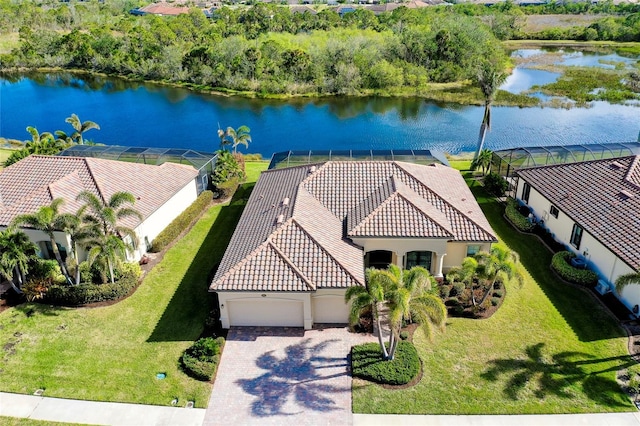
[(330, 309), (266, 313)]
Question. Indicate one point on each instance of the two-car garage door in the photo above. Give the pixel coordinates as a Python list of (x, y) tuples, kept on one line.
[(266, 313)]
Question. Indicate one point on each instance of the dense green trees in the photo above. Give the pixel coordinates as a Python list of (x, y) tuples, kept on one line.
[(265, 49)]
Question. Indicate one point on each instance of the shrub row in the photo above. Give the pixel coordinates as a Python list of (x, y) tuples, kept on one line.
[(200, 360), (518, 220), (66, 295), (560, 263), (181, 222), (367, 363)]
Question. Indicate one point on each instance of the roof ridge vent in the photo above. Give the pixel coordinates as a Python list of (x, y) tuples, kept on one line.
[(280, 219), (616, 165), (312, 169), (285, 202)]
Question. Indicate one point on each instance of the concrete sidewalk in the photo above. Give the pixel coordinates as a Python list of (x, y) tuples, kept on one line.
[(96, 413), (600, 419)]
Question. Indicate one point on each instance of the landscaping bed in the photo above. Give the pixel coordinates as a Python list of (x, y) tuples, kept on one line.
[(550, 348)]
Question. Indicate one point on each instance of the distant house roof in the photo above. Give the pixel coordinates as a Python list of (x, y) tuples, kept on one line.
[(37, 180), (294, 234), (303, 9), (163, 9), (602, 196)]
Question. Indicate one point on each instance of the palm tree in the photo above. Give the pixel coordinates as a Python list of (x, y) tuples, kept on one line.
[(489, 78), (80, 127), (105, 235), (78, 232), (106, 215), (403, 295), (108, 250), (483, 161), (624, 280), (47, 219), (498, 264), (234, 137), (15, 252)]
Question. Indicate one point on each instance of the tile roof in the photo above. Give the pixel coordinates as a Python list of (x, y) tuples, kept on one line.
[(602, 196), (36, 180), (305, 239)]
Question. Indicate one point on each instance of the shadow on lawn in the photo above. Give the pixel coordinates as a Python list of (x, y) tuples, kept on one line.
[(556, 375), (586, 317), (296, 376), (184, 317)]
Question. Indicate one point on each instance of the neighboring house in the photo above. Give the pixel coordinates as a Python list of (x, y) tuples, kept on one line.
[(308, 233), (593, 208), (162, 192)]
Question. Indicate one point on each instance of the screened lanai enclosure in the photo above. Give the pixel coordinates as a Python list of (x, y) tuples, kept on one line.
[(297, 158), (505, 162), (204, 162)]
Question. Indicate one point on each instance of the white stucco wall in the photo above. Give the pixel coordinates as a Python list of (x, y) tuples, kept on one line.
[(39, 238), (331, 299), (457, 251), (162, 217), (602, 260), (225, 297)]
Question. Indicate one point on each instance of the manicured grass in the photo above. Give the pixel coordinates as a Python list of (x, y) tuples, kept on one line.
[(15, 421), (550, 348), (113, 353)]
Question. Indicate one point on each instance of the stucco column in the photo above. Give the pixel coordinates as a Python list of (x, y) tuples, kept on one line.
[(439, 262), (400, 259)]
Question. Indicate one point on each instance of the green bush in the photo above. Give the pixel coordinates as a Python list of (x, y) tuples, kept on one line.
[(497, 294), (404, 335), (495, 301), (201, 359), (181, 222), (519, 221), (495, 184), (561, 264), (367, 363), (66, 295), (445, 291), (458, 289)]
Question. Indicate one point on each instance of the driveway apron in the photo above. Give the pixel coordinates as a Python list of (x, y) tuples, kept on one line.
[(284, 376)]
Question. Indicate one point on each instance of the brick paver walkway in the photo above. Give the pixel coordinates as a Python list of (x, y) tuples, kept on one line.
[(284, 376)]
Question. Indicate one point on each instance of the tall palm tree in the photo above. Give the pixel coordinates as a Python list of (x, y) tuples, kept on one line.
[(489, 78), (47, 219), (403, 295), (80, 127), (79, 232), (234, 137), (624, 280), (15, 252), (499, 263)]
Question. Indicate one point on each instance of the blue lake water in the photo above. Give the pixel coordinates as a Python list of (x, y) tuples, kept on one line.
[(135, 114)]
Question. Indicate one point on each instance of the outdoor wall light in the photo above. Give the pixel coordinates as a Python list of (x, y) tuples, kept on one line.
[(222, 306), (263, 295)]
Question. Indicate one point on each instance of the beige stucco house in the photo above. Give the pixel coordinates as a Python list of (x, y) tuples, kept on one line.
[(308, 233), (593, 208), (162, 193)]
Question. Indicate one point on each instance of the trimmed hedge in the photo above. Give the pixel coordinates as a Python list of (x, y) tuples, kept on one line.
[(367, 363), (66, 295), (181, 222), (200, 360), (561, 264), (519, 221)]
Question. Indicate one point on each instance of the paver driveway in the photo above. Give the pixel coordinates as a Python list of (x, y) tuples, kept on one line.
[(284, 376)]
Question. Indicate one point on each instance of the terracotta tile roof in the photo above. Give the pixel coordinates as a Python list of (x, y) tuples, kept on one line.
[(36, 180), (164, 9), (301, 214), (602, 196)]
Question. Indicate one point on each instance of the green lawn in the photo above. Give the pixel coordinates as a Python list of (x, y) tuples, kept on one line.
[(113, 353), (549, 349), (15, 421)]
